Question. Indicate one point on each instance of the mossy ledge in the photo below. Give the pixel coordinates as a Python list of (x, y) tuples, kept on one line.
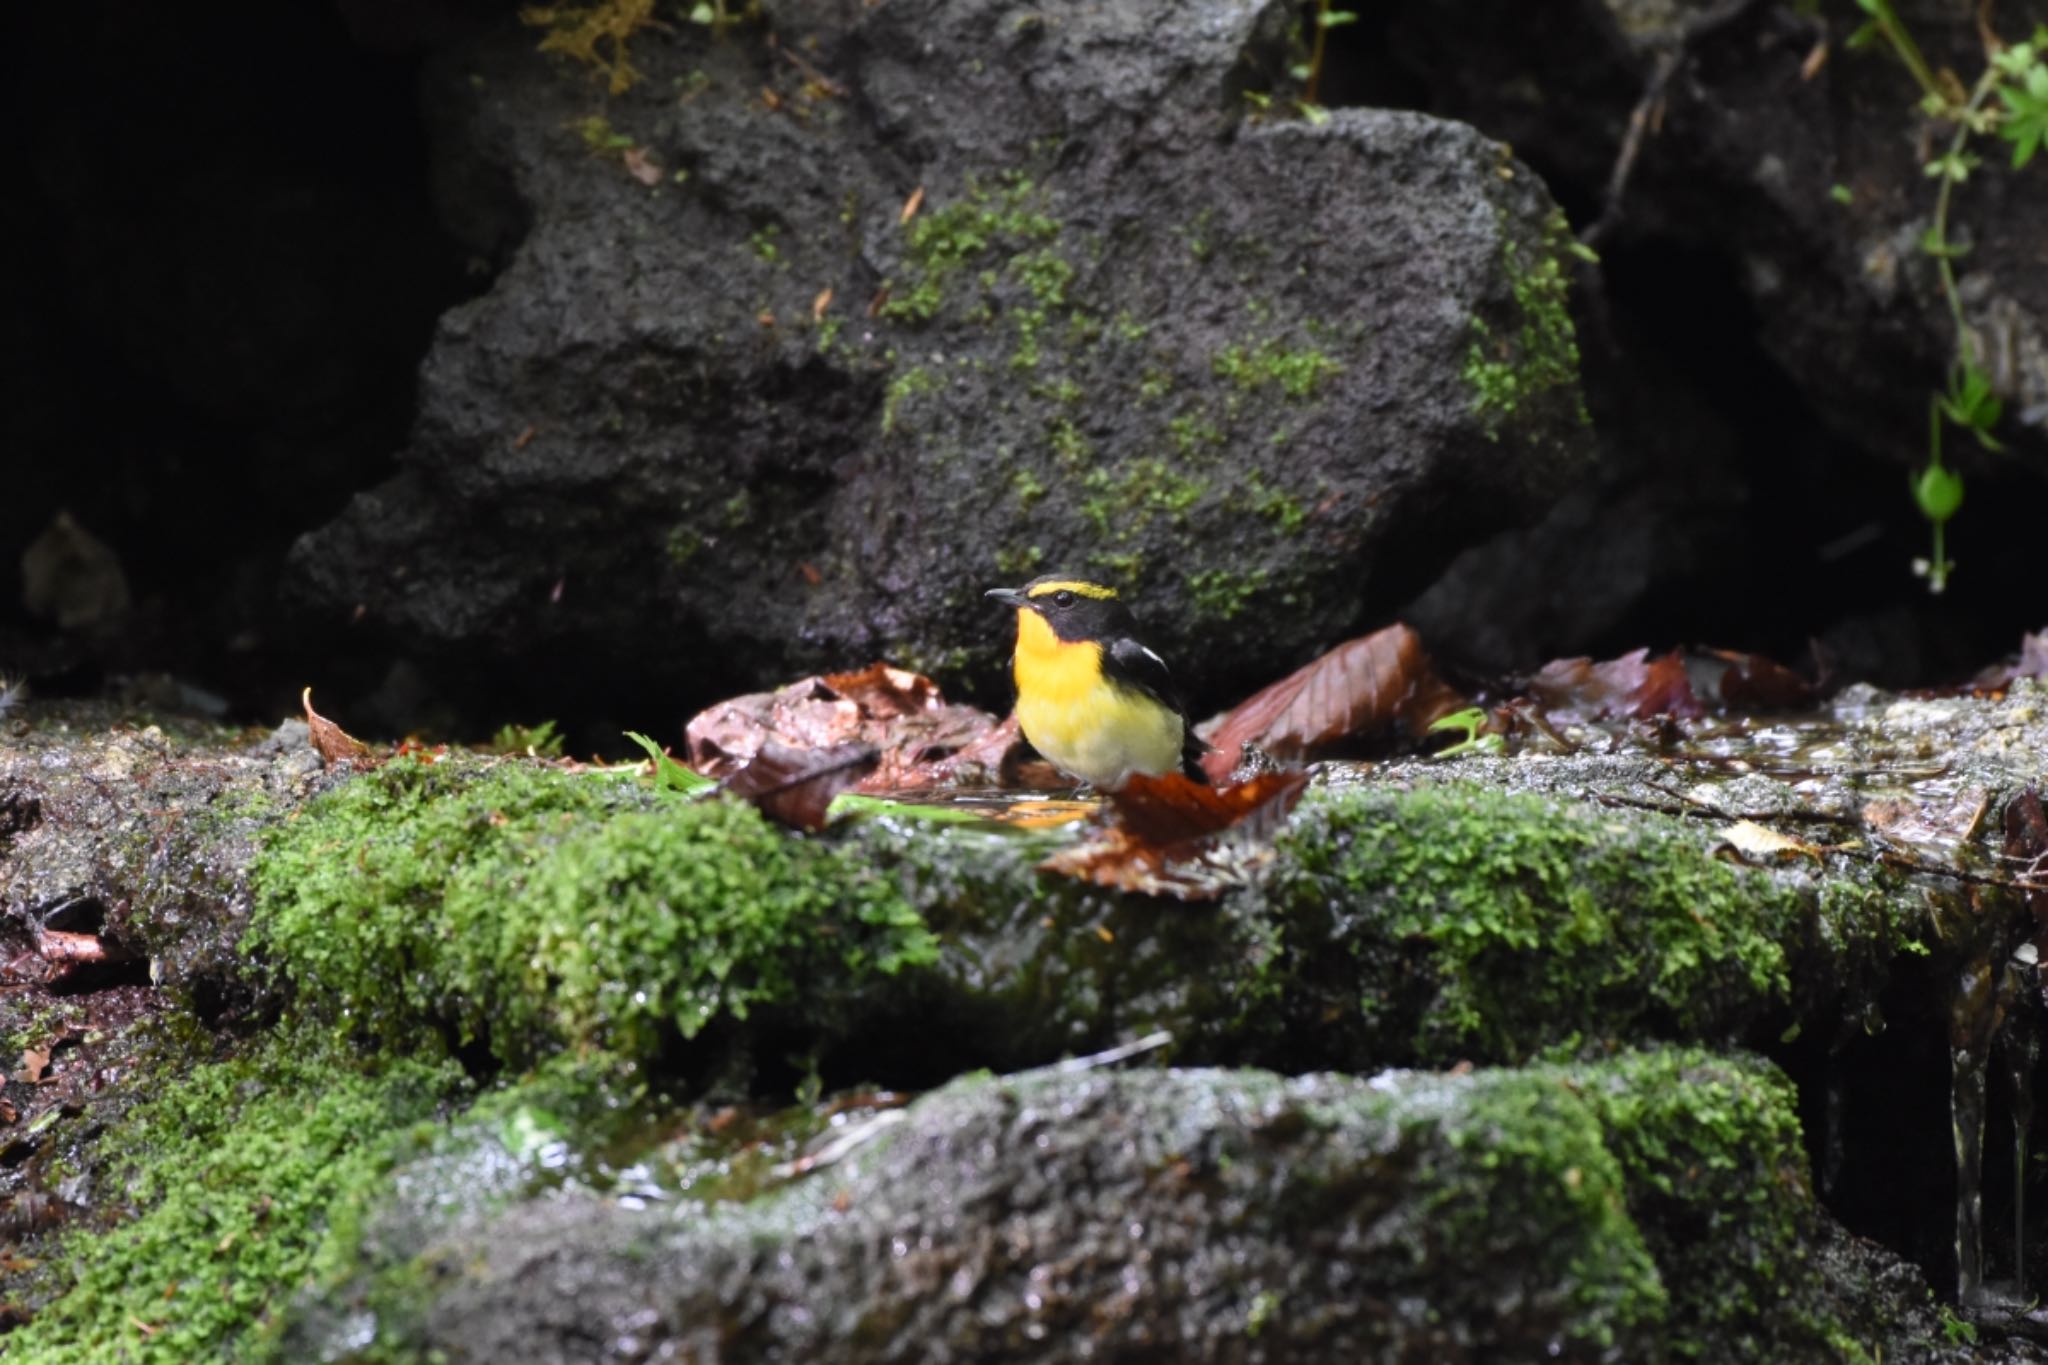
[(1553, 1210), (521, 915), (526, 909)]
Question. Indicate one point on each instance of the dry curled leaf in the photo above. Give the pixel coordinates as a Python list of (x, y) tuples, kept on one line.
[(2032, 663), (35, 1066), (1362, 690), (1632, 687), (1759, 843), (923, 740), (641, 166), (795, 786), (1171, 836), (1755, 683), (334, 744), (68, 949)]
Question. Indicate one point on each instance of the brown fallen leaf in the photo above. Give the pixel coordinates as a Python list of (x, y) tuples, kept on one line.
[(821, 303), (1172, 836), (795, 786), (1361, 690), (68, 949), (35, 1064), (1759, 843), (923, 740), (1946, 825), (334, 744), (911, 206), (641, 166), (1754, 683), (1632, 687), (2032, 663)]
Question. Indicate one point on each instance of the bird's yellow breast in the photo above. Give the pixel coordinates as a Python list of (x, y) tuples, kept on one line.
[(1088, 725)]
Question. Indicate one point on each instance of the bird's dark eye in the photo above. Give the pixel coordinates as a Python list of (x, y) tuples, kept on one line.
[(1063, 598)]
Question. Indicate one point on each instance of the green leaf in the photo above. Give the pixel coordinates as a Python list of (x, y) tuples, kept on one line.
[(1934, 244), (1841, 194), (702, 13), (1954, 166), (1336, 18), (2026, 121), (670, 775), (1863, 37), (1314, 113), (1939, 491), (1971, 402)]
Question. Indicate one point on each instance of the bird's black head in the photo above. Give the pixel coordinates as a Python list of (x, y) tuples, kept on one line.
[(1075, 608)]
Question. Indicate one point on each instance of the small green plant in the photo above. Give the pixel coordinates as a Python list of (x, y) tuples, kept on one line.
[(2009, 99), (1958, 1331), (1469, 722), (537, 741), (1310, 73)]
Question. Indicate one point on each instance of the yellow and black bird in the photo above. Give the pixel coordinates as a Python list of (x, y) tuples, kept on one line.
[(1090, 697)]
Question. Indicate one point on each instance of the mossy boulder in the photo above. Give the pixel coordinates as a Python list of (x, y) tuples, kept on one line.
[(501, 973), (523, 909), (1652, 1206), (783, 384)]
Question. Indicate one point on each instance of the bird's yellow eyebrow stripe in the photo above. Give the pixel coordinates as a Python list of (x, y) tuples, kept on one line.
[(1074, 586)]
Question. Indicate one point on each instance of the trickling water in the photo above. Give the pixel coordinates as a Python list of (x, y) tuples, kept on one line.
[(1966, 1102), (1972, 1018), (2021, 1046)]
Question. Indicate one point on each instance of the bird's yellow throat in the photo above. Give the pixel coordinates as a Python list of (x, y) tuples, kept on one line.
[(1052, 671)]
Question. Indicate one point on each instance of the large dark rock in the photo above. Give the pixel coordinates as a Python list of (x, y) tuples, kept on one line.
[(1271, 373), (1772, 330), (1549, 1213)]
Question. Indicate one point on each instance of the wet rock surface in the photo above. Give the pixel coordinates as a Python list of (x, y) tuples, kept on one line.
[(1605, 902), (1063, 1215), (1025, 292)]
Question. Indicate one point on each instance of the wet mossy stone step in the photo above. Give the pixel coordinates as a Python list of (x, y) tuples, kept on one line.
[(526, 909), (1650, 1206)]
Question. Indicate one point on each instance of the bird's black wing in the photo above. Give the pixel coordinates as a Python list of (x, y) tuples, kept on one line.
[(1130, 663)]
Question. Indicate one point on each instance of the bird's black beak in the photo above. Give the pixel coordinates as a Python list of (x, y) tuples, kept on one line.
[(1009, 597)]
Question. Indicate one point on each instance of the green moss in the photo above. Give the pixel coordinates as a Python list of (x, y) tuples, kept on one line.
[(1123, 501), (1709, 1142), (683, 545), (1070, 449), (1298, 373), (1028, 487), (1155, 383), (943, 241), (763, 243), (1020, 563), (1278, 507), (1541, 354), (905, 386), (1223, 593), (531, 909), (1505, 924), (235, 1173), (1535, 1165), (1193, 436)]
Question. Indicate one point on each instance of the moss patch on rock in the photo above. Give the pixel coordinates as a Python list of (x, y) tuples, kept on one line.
[(1465, 923), (1539, 353), (234, 1175), (1647, 1206), (532, 909)]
